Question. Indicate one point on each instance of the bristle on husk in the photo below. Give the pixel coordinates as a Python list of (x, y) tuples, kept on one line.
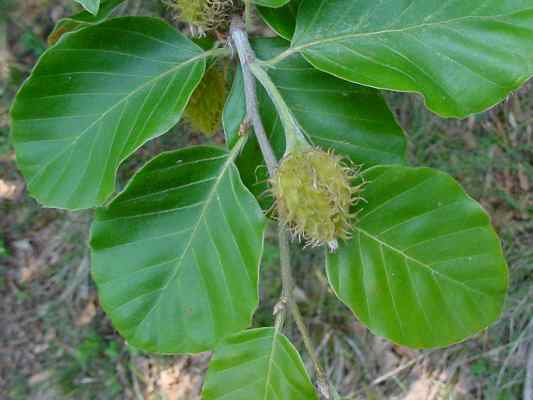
[(206, 15), (314, 195)]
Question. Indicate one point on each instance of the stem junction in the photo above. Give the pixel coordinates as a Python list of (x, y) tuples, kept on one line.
[(287, 302)]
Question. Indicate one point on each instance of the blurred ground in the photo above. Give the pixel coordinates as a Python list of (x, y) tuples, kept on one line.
[(55, 342)]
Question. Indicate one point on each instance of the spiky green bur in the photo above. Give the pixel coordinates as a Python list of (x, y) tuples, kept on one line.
[(314, 195), (190, 11), (207, 15), (204, 111)]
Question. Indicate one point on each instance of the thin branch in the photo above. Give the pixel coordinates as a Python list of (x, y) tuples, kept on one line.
[(247, 57), (287, 301), (325, 387), (281, 308)]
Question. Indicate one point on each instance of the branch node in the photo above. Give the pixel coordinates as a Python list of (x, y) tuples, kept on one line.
[(286, 301)]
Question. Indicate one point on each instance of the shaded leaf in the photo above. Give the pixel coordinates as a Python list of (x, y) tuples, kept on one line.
[(352, 119), (234, 109), (257, 364), (281, 20), (176, 254), (464, 57), (424, 267), (127, 80)]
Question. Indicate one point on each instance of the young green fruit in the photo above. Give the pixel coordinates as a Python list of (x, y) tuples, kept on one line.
[(314, 195), (204, 111), (207, 15)]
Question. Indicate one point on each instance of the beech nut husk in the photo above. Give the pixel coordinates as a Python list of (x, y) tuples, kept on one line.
[(314, 196)]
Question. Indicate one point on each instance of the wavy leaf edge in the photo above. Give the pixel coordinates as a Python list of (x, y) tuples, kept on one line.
[(64, 37), (228, 164), (490, 227)]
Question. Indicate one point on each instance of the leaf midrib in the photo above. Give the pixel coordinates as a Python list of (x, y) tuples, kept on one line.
[(298, 48), (421, 263), (113, 107), (231, 157), (271, 361)]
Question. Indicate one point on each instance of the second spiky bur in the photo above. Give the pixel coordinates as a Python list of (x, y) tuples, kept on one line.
[(206, 15), (204, 111), (314, 195)]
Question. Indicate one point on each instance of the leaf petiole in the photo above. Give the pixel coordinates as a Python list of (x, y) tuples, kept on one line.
[(294, 135)]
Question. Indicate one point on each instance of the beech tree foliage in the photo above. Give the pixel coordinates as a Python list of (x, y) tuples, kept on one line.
[(176, 254)]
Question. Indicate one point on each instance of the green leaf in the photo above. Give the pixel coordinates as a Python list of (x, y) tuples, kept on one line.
[(424, 267), (81, 20), (335, 114), (234, 109), (281, 20), (257, 364), (352, 119), (90, 5), (176, 255), (270, 3), (463, 57), (96, 97)]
